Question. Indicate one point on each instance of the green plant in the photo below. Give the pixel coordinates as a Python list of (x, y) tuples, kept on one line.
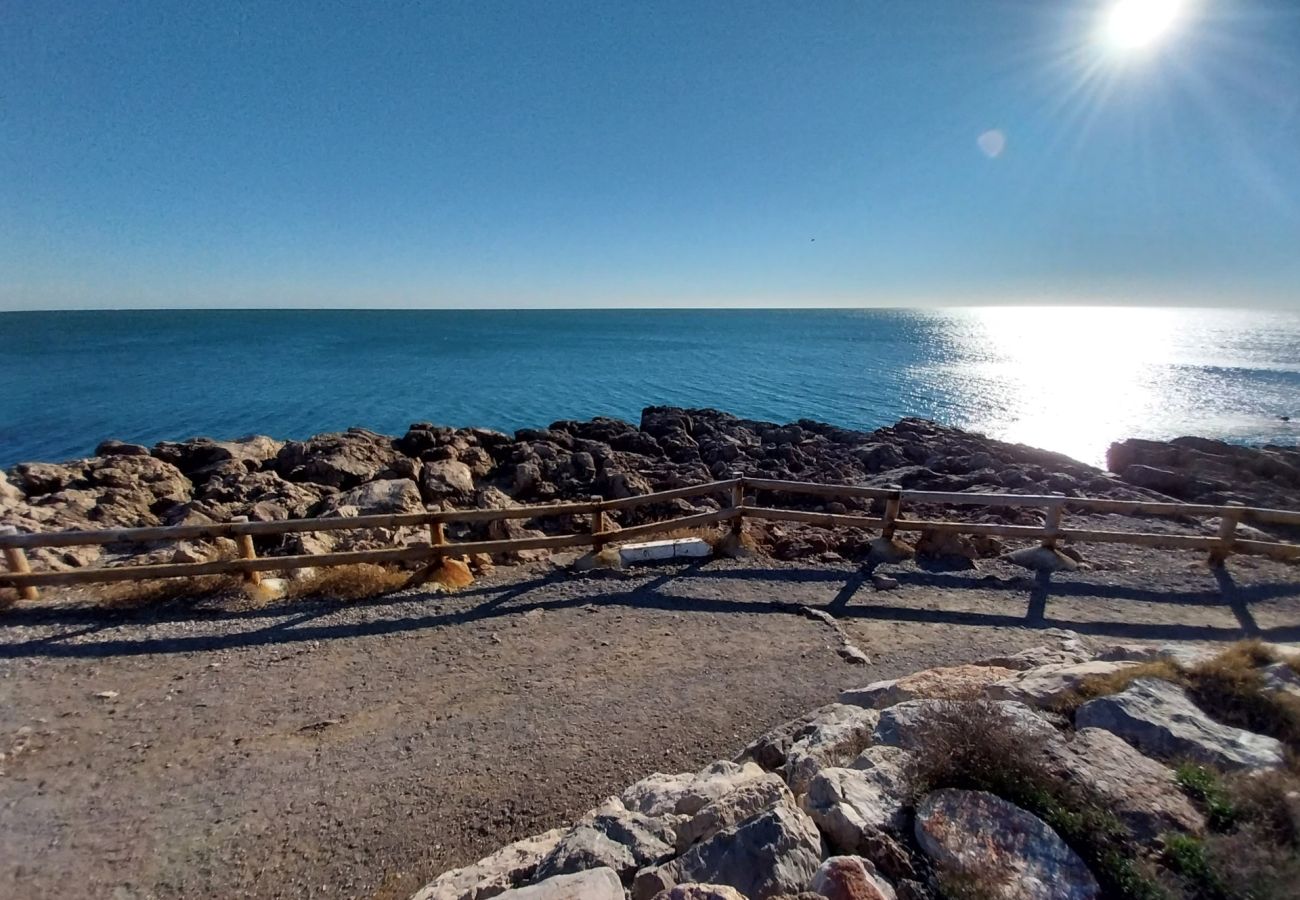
[(1203, 785)]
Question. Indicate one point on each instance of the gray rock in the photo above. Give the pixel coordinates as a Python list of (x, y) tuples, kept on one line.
[(773, 853), (594, 884), (1160, 719), (1279, 677), (512, 865), (828, 744), (687, 793), (1186, 655), (904, 725), (1141, 792), (586, 847), (1011, 853), (1068, 650), (1046, 686), (394, 495), (748, 799), (446, 479), (770, 749), (854, 808)]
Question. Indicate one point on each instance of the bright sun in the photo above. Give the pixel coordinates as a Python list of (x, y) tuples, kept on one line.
[(1133, 24)]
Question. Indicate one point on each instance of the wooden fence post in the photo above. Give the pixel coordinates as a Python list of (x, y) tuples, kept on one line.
[(737, 501), (246, 551), (892, 505), (437, 538), (598, 527), (16, 560), (1227, 534), (1052, 526)]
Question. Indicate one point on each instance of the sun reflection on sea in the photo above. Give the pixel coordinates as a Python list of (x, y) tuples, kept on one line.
[(1069, 379)]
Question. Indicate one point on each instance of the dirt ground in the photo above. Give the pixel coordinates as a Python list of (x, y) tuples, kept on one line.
[(358, 749)]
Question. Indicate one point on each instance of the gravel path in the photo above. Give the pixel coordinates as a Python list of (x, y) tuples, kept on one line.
[(356, 750)]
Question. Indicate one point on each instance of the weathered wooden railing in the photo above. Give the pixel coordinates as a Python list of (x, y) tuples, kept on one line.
[(735, 511)]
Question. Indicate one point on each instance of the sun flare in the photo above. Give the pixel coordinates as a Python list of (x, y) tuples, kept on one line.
[(1134, 24)]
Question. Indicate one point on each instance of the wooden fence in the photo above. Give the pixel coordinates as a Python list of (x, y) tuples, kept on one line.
[(735, 510)]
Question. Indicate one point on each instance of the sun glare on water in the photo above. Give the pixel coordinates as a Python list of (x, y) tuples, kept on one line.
[(1134, 24)]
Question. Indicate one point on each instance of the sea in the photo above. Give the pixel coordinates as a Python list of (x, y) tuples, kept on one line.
[(1066, 379)]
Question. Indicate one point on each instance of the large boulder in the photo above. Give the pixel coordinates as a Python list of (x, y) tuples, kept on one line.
[(828, 744), (199, 458), (613, 837), (687, 793), (951, 683), (1160, 719), (773, 853), (446, 479), (770, 749), (860, 810), (999, 850), (593, 884), (1141, 792), (747, 799), (37, 478), (906, 724), (343, 460), (391, 495), (512, 865)]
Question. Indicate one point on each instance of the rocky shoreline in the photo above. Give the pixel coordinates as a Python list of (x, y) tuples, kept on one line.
[(917, 788), (202, 481)]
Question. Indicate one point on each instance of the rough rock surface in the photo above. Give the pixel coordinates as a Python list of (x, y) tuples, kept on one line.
[(1010, 853), (1160, 719), (770, 750), (850, 878), (1199, 470), (700, 892), (904, 725), (828, 744), (687, 793), (949, 683), (1141, 792), (202, 480), (1046, 686), (593, 884), (747, 799), (772, 853), (512, 865)]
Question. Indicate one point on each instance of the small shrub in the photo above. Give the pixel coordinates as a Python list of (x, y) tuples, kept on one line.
[(1105, 685), (1202, 784), (127, 595), (352, 582), (974, 745), (1230, 688)]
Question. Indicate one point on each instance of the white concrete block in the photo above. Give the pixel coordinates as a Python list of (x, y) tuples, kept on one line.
[(658, 551)]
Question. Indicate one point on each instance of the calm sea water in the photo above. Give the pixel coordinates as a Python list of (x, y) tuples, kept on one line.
[(1071, 380)]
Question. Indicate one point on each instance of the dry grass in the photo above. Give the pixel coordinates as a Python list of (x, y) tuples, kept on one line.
[(974, 745), (127, 595), (352, 582), (1228, 687)]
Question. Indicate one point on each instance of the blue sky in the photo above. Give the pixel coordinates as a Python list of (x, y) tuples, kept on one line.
[(654, 153)]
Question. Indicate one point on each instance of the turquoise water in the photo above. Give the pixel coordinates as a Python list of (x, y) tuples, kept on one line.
[(1066, 379)]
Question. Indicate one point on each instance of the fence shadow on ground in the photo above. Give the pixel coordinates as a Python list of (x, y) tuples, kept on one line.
[(1028, 606)]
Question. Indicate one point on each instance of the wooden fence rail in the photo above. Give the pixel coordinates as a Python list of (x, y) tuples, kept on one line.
[(737, 508)]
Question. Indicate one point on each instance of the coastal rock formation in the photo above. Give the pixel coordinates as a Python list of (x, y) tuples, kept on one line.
[(978, 837), (1160, 719), (202, 480), (854, 802), (1200, 470)]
